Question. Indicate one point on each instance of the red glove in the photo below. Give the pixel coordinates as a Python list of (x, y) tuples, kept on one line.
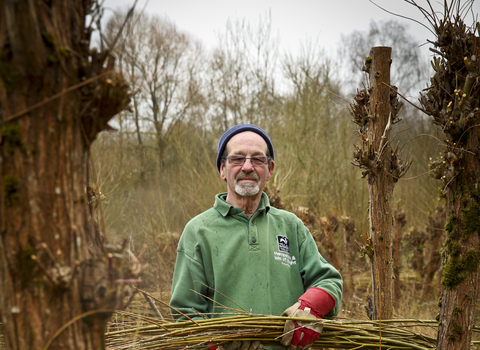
[(315, 304)]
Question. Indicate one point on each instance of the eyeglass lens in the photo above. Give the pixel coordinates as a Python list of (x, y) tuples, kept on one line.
[(240, 160)]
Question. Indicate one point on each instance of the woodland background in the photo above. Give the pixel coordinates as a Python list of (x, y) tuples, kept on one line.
[(157, 171), (89, 210)]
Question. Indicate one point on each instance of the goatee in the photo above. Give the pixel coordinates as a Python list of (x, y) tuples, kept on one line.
[(247, 189)]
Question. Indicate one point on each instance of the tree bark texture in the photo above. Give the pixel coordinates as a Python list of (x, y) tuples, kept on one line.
[(375, 110), (453, 100), (416, 240), (348, 235), (399, 224), (436, 234), (380, 184), (461, 260), (54, 266)]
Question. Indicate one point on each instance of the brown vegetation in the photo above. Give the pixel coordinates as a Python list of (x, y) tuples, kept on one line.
[(147, 199), (157, 171)]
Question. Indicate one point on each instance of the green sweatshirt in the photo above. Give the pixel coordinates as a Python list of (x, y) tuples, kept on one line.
[(263, 264)]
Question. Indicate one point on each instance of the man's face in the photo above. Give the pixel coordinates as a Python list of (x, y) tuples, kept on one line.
[(246, 180)]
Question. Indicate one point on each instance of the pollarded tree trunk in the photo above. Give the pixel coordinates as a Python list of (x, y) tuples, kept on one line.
[(375, 110), (380, 185), (436, 234), (453, 100), (53, 267), (416, 240), (460, 264), (348, 238), (399, 224)]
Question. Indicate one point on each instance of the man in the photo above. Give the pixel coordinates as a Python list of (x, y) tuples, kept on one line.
[(243, 254)]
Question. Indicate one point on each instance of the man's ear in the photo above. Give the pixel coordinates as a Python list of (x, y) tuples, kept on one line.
[(270, 169), (222, 172)]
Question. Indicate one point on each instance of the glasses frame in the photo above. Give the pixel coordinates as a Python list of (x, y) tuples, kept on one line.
[(252, 159)]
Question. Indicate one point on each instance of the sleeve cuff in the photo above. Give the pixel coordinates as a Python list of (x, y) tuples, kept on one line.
[(318, 300)]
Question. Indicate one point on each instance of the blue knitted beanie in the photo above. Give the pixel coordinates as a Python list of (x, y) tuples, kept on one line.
[(237, 129)]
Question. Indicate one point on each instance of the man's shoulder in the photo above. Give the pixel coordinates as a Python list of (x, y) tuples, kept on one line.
[(202, 219), (284, 214), (189, 237)]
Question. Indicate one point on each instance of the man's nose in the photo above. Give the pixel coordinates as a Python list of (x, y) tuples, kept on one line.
[(247, 166)]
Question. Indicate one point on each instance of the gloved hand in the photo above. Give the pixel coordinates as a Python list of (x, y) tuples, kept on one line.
[(241, 345), (314, 304)]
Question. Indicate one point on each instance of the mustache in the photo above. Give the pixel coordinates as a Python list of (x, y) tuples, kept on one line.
[(243, 175)]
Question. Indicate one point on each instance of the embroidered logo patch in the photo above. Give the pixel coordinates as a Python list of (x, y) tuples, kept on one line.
[(283, 244)]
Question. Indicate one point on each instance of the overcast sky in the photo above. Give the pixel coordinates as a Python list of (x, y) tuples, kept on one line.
[(292, 21)]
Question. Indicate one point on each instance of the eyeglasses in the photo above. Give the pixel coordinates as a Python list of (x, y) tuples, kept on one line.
[(240, 160)]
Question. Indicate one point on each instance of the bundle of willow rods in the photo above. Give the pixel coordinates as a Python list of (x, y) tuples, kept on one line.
[(148, 333)]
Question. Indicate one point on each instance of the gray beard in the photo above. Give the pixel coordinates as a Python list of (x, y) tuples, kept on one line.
[(247, 189)]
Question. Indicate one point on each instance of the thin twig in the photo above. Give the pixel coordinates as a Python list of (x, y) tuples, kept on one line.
[(416, 137), (323, 87), (54, 97), (99, 199), (171, 307), (72, 321), (223, 295), (216, 302), (396, 14), (127, 18), (399, 132), (391, 88), (473, 126), (388, 127), (152, 305), (448, 183)]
